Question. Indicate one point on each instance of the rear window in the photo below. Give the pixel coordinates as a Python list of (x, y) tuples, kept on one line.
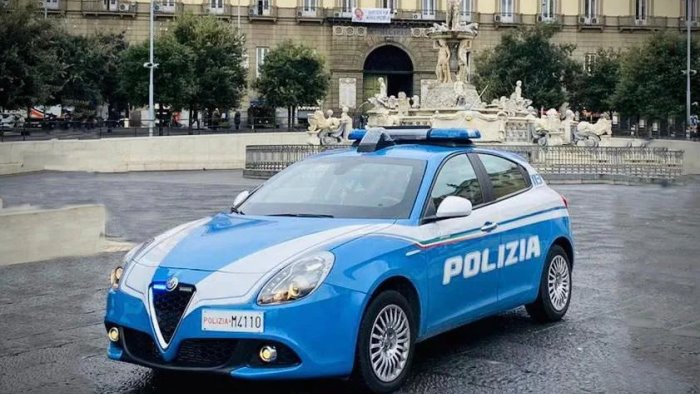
[(506, 176)]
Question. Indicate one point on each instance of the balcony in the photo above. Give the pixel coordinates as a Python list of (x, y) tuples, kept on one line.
[(470, 17), (258, 12), (225, 11), (591, 22), (338, 13), (648, 23), (53, 6), (551, 19), (507, 20), (304, 14), (110, 7), (694, 24), (167, 9)]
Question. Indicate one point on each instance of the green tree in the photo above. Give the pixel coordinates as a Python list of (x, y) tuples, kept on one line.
[(28, 56), (595, 88), (546, 69), (173, 79), (651, 82), (292, 75), (218, 76)]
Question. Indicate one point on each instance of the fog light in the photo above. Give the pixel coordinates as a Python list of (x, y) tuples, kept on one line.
[(113, 334), (268, 354)]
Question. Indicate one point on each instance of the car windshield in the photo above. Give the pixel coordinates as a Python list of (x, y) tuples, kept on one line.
[(341, 187)]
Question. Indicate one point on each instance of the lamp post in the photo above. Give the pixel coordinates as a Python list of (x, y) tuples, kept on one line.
[(238, 11), (687, 69), (151, 68)]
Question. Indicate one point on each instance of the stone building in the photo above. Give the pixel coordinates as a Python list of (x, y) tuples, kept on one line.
[(398, 50)]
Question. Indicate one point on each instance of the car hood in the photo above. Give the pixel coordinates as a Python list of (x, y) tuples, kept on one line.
[(248, 244)]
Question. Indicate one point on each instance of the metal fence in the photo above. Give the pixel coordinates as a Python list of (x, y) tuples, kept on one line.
[(558, 163)]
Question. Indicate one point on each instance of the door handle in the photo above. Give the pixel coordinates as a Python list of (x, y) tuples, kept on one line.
[(488, 226)]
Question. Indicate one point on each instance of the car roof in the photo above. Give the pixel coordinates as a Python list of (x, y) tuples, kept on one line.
[(420, 151)]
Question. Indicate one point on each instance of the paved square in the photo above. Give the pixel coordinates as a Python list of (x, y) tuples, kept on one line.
[(633, 325)]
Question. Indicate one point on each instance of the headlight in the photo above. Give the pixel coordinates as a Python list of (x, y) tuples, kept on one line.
[(116, 275), (297, 280)]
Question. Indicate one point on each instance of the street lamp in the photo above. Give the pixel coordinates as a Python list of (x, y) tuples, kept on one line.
[(151, 66), (688, 71)]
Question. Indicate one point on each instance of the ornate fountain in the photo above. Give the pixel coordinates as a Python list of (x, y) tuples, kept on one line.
[(451, 100)]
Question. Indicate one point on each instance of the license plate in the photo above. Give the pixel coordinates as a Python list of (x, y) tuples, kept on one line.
[(232, 321)]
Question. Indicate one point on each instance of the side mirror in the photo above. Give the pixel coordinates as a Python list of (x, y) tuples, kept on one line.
[(240, 198), (454, 207)]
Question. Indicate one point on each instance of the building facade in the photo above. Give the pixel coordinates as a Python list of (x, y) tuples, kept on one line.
[(399, 51)]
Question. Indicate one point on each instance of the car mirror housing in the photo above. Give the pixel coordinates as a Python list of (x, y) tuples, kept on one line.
[(242, 196), (453, 207)]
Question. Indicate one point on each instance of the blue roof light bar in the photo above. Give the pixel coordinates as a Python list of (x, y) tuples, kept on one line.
[(376, 138)]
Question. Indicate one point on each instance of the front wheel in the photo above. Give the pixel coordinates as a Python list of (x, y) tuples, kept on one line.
[(385, 343), (555, 288)]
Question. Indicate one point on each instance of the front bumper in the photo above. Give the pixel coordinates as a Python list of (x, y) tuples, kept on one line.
[(315, 337)]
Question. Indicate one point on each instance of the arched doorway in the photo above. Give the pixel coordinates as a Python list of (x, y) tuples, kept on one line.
[(394, 65)]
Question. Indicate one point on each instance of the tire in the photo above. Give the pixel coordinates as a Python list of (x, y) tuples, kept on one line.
[(551, 306), (394, 305)]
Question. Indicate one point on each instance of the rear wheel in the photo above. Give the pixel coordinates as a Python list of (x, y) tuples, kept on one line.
[(555, 288), (385, 343)]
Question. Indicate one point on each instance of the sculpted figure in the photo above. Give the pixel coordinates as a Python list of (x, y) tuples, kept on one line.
[(472, 28), (403, 104), (453, 15), (382, 88), (463, 61), (415, 101), (442, 69)]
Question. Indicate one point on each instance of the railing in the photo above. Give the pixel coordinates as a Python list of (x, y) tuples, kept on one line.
[(649, 22), (111, 7), (694, 23), (165, 9), (255, 11), (594, 22), (506, 19), (225, 11), (309, 14), (53, 6), (555, 163)]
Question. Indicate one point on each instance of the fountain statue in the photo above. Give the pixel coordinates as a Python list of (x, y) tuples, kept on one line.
[(451, 100)]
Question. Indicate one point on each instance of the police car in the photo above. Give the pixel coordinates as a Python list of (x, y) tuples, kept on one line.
[(340, 264)]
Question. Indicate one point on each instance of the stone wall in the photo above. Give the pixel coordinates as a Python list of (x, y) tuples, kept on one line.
[(137, 154)]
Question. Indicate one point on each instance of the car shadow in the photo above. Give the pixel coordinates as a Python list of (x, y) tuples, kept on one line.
[(438, 350)]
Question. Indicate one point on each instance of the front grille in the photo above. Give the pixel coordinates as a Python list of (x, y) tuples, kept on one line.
[(192, 353), (205, 353), (169, 307), (141, 346)]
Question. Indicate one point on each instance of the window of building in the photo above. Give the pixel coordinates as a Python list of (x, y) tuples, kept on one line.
[(456, 178), (507, 10), (506, 177), (429, 8), (467, 6), (260, 54), (691, 9), (548, 10), (346, 6), (590, 8), (310, 6), (589, 62), (641, 10), (111, 5), (390, 4), (263, 7), (216, 4), (51, 4)]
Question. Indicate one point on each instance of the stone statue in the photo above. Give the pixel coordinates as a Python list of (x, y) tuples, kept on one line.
[(588, 134), (415, 101), (463, 61), (442, 70), (439, 28), (453, 15), (472, 28), (403, 104), (518, 90), (392, 102), (382, 88), (324, 129)]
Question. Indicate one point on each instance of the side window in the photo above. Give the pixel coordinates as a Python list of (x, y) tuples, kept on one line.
[(456, 178), (506, 176)]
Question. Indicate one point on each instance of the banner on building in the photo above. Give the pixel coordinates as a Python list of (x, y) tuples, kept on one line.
[(371, 15)]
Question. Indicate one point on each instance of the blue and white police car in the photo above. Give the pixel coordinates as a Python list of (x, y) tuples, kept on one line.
[(340, 264)]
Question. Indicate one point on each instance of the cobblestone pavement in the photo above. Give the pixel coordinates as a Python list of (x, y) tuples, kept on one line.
[(633, 325)]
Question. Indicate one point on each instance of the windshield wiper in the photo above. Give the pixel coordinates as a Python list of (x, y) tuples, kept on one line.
[(302, 215), (235, 210)]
